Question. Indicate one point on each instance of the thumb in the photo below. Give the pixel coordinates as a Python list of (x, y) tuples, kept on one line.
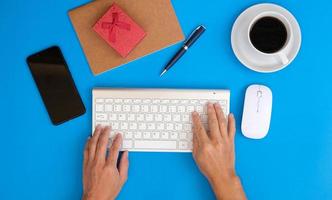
[(123, 167)]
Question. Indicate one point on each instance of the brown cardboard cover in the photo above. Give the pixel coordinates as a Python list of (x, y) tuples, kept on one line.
[(156, 17)]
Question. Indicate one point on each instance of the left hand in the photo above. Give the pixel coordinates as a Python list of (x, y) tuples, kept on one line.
[(102, 180)]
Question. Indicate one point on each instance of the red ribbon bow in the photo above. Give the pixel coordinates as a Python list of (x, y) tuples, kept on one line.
[(111, 26)]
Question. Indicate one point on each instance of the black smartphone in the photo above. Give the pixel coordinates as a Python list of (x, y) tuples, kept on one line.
[(56, 85)]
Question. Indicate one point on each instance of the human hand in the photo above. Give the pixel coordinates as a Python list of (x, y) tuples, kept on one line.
[(214, 153), (102, 180)]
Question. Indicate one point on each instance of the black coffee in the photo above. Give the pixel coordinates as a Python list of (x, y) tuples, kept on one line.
[(268, 34)]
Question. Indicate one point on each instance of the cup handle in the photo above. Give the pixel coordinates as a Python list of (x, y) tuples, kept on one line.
[(283, 58)]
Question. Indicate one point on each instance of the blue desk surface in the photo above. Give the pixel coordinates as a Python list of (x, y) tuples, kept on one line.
[(42, 161)]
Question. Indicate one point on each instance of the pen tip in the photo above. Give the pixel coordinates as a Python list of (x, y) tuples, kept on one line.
[(162, 73)]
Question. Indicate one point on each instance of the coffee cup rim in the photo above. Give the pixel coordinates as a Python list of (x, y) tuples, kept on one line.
[(287, 25)]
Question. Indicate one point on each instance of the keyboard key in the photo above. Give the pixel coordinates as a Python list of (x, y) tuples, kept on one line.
[(108, 108), (184, 101), (147, 101), (155, 135), (99, 107), (127, 101), (154, 108), (160, 126), (174, 135), (146, 135), (162, 108), (190, 109), (118, 101), (193, 101), (99, 100), (113, 117), (124, 125), (176, 118), (135, 108), (175, 101), (126, 108), (165, 101), (108, 101), (164, 135), (115, 125), (142, 126), (151, 126), (149, 117), (183, 135), (167, 117), (104, 123), (122, 117), (101, 116), (145, 108), (141, 144), (140, 117), (187, 127), (169, 126), (127, 144), (189, 136), (132, 126), (172, 109), (158, 117), (199, 109), (183, 145), (117, 108), (181, 109), (131, 117), (178, 127), (156, 101), (186, 118), (138, 135), (128, 135)]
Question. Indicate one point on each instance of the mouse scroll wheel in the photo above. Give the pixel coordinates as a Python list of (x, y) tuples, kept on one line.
[(259, 93)]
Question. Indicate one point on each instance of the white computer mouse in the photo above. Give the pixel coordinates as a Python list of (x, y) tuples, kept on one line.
[(257, 111)]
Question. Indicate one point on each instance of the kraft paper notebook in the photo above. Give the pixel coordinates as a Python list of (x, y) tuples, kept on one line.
[(156, 17)]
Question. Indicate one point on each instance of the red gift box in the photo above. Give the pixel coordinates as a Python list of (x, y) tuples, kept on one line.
[(119, 30)]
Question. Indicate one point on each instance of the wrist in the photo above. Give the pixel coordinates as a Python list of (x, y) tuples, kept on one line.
[(226, 186)]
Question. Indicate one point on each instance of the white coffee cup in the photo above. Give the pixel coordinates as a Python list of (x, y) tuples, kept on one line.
[(281, 54)]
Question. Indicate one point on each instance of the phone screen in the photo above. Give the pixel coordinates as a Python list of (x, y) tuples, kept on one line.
[(55, 84)]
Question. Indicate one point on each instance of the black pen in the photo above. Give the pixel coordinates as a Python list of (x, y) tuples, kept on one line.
[(191, 39)]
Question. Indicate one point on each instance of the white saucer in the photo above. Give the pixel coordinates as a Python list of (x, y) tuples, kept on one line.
[(249, 55)]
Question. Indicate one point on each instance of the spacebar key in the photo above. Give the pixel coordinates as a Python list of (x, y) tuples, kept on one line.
[(149, 144)]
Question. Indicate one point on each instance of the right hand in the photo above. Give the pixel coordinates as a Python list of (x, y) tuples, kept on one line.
[(214, 153)]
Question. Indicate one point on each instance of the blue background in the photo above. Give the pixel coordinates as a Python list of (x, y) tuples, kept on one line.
[(42, 161)]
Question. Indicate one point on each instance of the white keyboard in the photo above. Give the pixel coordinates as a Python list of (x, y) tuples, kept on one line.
[(154, 119)]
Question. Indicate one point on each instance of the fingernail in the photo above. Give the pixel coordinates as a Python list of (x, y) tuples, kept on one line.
[(209, 105), (195, 114), (98, 126), (217, 104)]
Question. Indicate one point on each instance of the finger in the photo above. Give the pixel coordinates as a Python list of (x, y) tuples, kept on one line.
[(222, 120), (93, 142), (85, 161), (114, 150), (123, 167), (86, 155), (195, 144), (199, 130), (102, 145), (213, 123), (231, 126)]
